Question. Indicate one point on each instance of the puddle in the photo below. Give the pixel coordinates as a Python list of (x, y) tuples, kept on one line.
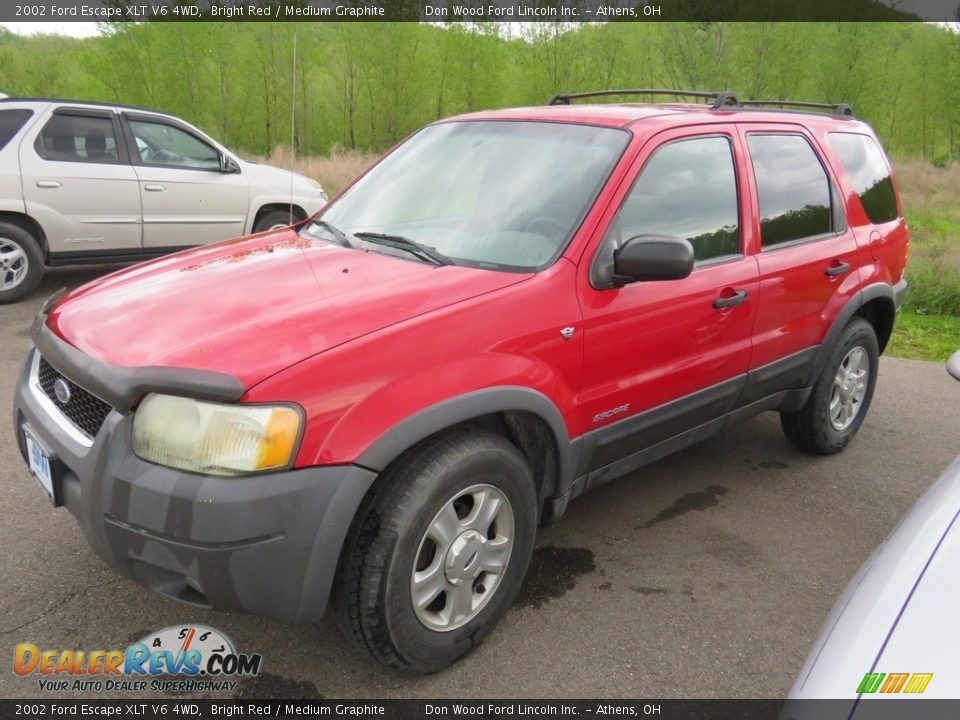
[(553, 571), (700, 500)]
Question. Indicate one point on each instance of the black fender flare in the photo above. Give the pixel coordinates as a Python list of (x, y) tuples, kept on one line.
[(859, 299), (462, 408)]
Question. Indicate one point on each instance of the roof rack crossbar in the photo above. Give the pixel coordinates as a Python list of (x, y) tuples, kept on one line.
[(838, 108), (720, 99)]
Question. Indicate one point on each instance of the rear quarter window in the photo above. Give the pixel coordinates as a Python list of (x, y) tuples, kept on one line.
[(869, 172), (10, 123)]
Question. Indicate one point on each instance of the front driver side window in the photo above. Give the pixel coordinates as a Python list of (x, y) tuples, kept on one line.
[(166, 145), (686, 189)]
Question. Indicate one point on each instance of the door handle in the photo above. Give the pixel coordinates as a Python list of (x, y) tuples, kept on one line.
[(151, 187), (836, 269), (49, 184), (729, 301)]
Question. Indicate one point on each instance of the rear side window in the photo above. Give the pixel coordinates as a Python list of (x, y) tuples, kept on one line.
[(868, 170), (10, 123), (78, 138), (792, 187), (687, 189)]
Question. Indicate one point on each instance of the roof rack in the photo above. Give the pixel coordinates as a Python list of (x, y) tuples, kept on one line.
[(720, 99), (73, 101), (838, 108)]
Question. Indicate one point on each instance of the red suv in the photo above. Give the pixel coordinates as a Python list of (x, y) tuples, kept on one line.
[(378, 407)]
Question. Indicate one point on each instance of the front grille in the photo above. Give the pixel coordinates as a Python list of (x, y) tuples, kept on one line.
[(84, 410)]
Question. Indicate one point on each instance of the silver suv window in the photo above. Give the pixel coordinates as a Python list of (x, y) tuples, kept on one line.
[(162, 144), (78, 138), (10, 123)]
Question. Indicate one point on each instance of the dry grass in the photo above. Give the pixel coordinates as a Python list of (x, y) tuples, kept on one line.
[(923, 186), (930, 200), (333, 171)]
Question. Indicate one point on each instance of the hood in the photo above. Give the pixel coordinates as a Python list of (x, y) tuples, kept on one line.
[(272, 176), (254, 306)]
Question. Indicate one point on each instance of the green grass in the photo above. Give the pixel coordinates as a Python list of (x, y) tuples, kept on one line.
[(925, 337)]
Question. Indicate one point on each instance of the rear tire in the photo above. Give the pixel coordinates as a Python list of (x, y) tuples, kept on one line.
[(21, 263), (841, 395), (438, 552)]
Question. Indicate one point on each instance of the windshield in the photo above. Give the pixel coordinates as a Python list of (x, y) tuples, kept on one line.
[(504, 195)]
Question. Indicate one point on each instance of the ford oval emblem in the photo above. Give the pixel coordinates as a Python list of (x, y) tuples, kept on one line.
[(61, 388)]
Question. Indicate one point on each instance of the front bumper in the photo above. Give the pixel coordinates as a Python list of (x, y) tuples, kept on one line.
[(266, 544)]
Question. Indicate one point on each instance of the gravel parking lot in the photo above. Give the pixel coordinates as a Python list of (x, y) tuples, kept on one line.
[(707, 574)]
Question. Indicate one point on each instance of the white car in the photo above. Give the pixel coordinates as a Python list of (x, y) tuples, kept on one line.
[(894, 632), (83, 182)]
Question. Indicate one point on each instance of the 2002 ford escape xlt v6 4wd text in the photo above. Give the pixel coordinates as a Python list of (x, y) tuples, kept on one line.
[(376, 408)]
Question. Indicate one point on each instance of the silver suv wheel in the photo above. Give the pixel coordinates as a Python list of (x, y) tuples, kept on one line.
[(14, 264), (462, 558)]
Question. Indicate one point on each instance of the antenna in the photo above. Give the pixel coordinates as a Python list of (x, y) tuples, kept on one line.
[(293, 118)]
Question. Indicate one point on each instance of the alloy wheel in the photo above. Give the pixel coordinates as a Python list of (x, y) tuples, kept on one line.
[(462, 558)]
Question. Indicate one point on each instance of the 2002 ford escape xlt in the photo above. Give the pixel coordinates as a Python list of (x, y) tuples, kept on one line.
[(376, 408)]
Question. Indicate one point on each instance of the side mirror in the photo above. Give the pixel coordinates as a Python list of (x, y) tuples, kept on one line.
[(953, 365), (227, 164), (652, 257)]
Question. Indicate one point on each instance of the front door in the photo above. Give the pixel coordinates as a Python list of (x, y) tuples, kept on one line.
[(186, 199), (664, 357)]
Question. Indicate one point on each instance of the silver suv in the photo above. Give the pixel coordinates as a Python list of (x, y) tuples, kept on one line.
[(84, 182)]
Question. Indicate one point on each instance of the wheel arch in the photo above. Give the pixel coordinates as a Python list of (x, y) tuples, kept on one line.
[(28, 225), (298, 212), (525, 417), (875, 303)]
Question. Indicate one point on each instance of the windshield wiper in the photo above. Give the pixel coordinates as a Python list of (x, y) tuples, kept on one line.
[(339, 235), (404, 243)]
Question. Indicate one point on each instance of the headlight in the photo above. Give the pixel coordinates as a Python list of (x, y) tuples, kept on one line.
[(317, 186), (214, 438)]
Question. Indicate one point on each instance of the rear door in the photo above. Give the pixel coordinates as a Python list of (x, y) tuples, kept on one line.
[(807, 254), (663, 357), (186, 198), (78, 183)]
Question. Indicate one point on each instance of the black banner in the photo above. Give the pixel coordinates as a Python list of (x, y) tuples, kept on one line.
[(872, 709), (479, 10)]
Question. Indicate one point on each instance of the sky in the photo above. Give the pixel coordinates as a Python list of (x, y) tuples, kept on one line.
[(75, 29)]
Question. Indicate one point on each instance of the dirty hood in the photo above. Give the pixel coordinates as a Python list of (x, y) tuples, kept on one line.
[(254, 306)]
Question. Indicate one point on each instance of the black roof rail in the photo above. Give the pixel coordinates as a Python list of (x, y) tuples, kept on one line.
[(838, 108), (720, 99)]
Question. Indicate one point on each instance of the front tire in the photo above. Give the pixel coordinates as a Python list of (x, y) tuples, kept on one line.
[(439, 551), (841, 396), (275, 220), (21, 263)]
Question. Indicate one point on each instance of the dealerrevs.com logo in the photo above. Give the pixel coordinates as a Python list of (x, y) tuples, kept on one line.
[(893, 683), (176, 659)]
